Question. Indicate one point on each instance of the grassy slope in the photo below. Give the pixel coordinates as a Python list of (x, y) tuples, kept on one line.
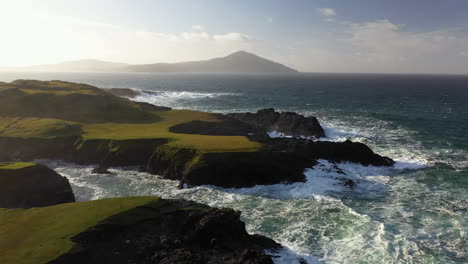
[(15, 165), (161, 130), (95, 114), (29, 127), (39, 235), (69, 101)]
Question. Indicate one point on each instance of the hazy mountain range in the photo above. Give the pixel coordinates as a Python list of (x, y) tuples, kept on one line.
[(238, 62)]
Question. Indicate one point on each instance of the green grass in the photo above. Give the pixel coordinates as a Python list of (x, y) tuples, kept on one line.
[(40, 235), (38, 109), (15, 165), (160, 129), (69, 101), (31, 127)]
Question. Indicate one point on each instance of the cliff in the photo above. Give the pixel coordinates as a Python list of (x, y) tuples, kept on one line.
[(25, 185), (129, 230)]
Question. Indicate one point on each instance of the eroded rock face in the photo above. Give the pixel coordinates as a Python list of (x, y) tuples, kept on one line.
[(230, 169), (288, 123), (171, 231), (347, 151), (33, 186)]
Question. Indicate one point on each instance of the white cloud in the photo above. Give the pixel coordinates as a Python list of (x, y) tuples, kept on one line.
[(233, 36), (327, 11), (65, 38), (199, 27), (196, 36), (384, 46), (270, 20)]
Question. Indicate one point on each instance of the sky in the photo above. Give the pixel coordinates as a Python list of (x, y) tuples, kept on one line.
[(384, 36)]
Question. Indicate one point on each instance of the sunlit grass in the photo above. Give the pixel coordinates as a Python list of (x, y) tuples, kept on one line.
[(40, 235), (15, 165), (31, 127), (160, 129)]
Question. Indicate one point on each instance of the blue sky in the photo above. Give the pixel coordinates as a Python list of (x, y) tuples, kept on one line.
[(419, 36)]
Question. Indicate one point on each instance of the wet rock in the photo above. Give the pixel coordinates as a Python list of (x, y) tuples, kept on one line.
[(101, 170), (348, 183), (288, 123)]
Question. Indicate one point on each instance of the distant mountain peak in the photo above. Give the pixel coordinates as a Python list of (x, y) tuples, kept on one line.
[(241, 53), (238, 62)]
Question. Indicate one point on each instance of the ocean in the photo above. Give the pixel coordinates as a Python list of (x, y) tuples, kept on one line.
[(413, 212)]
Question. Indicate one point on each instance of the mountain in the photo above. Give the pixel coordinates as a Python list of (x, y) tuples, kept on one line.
[(238, 62)]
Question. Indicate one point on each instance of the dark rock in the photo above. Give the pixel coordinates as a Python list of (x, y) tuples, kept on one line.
[(288, 123), (348, 183), (229, 169), (101, 170), (152, 107), (108, 153), (334, 151), (33, 186), (170, 231), (123, 92)]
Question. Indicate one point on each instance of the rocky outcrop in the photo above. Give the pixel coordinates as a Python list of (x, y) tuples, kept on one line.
[(288, 123), (347, 151), (281, 160), (229, 169), (152, 107), (32, 185), (170, 232), (107, 153)]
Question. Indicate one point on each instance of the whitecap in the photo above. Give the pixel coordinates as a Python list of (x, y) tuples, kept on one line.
[(168, 98)]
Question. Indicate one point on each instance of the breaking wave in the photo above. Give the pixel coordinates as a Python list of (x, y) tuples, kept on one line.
[(169, 98)]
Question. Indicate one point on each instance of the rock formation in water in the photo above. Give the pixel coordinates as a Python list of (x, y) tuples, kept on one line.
[(25, 185), (288, 123)]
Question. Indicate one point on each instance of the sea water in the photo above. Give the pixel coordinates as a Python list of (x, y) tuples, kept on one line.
[(413, 212)]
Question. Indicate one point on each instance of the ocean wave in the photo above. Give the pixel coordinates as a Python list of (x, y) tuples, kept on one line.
[(169, 98), (310, 219)]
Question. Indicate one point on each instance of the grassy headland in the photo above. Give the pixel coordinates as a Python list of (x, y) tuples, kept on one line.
[(39, 235), (51, 109)]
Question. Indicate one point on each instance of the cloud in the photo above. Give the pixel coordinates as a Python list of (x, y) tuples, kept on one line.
[(270, 20), (199, 27), (66, 38), (233, 36), (328, 12), (384, 46)]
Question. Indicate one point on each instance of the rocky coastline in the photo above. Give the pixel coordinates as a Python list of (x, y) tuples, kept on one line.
[(196, 148)]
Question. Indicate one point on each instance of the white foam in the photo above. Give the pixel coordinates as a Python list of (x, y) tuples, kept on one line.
[(276, 134), (168, 98), (307, 218), (337, 134)]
